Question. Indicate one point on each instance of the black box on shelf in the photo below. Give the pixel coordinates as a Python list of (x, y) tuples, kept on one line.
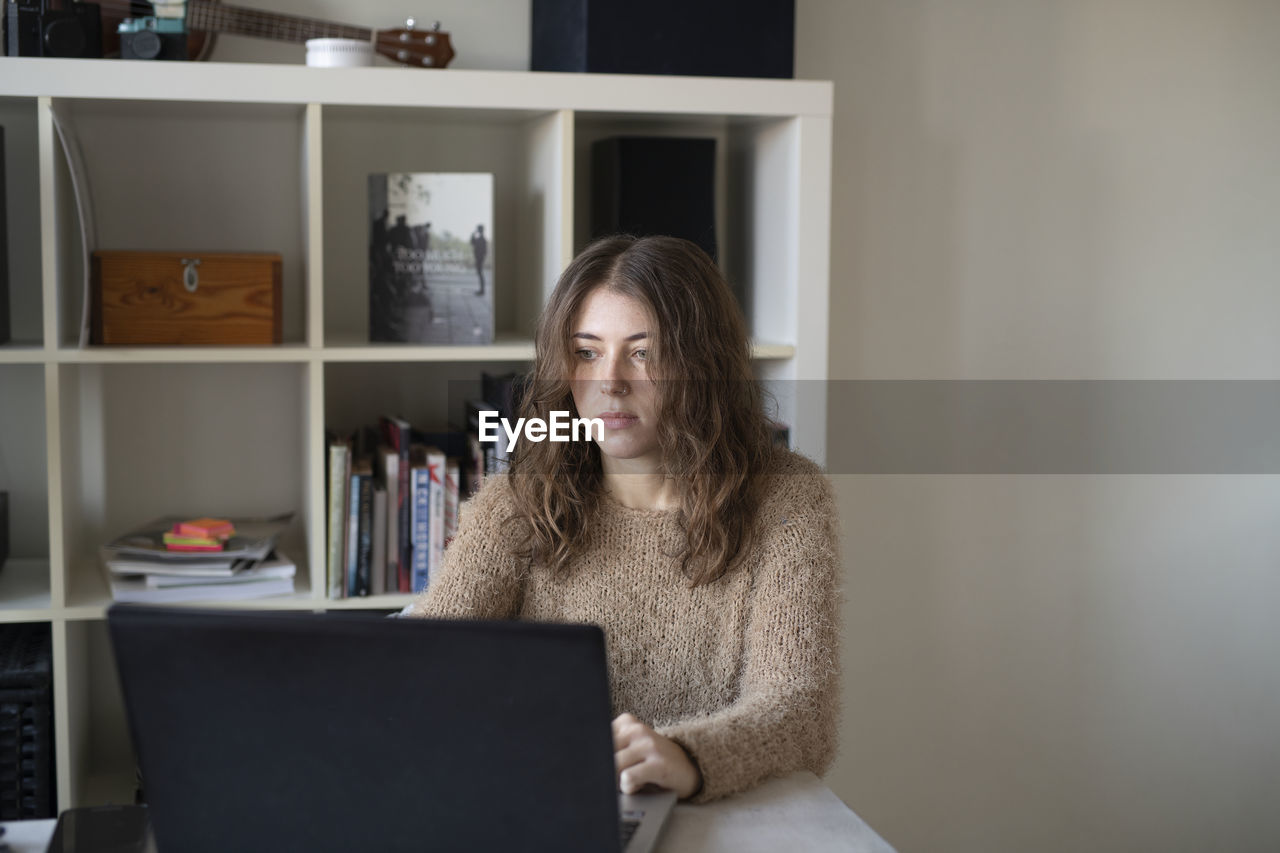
[(26, 722), (645, 185), (712, 38)]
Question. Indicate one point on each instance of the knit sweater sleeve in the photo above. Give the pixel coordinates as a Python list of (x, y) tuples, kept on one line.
[(785, 717), (480, 578)]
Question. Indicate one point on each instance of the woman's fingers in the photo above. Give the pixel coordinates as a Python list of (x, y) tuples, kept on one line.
[(644, 757), (651, 771), (626, 727), (631, 756), (633, 745)]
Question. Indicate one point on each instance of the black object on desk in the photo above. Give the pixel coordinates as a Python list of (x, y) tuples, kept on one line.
[(270, 731), (101, 829)]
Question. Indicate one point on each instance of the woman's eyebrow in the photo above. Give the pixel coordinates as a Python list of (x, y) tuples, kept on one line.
[(590, 337)]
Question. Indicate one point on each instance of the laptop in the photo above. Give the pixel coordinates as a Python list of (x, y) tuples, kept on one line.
[(341, 731)]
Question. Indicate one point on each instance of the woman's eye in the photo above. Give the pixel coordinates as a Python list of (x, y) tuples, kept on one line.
[(642, 354), (586, 354)]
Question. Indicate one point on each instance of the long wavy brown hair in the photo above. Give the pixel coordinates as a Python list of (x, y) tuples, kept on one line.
[(712, 432)]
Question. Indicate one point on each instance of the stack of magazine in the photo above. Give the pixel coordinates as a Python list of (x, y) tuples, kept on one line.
[(140, 568)]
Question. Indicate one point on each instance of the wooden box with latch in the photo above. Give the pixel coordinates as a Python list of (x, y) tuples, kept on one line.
[(177, 298)]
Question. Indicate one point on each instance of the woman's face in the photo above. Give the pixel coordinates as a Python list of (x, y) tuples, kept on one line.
[(611, 381)]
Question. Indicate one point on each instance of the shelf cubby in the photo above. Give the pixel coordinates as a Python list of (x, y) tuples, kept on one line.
[(208, 177), (25, 581), (96, 760), (21, 170), (143, 441), (523, 149)]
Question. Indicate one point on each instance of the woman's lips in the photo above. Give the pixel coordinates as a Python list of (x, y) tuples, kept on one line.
[(618, 420)]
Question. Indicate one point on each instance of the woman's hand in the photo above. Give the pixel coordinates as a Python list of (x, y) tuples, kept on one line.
[(644, 757)]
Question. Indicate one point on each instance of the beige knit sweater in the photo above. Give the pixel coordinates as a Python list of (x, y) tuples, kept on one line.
[(742, 673)]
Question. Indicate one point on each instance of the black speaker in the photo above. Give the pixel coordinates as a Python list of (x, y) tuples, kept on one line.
[(714, 38), (647, 185)]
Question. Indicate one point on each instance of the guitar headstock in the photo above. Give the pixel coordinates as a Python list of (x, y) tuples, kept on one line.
[(414, 47)]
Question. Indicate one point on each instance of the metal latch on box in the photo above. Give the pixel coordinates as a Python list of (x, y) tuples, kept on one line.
[(190, 278)]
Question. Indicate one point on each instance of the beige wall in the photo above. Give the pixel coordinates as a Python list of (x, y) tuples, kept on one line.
[(1082, 189)]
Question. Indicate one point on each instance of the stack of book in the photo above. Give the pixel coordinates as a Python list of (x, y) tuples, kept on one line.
[(394, 493), (173, 560), (393, 507)]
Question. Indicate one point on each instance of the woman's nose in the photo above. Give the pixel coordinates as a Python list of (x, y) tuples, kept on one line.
[(615, 387), (614, 380)]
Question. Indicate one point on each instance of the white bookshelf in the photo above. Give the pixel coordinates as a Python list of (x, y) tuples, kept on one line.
[(223, 157)]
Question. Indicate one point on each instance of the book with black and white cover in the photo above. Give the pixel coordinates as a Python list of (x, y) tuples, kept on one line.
[(431, 252)]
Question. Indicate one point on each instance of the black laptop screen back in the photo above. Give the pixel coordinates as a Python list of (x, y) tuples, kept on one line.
[(298, 731)]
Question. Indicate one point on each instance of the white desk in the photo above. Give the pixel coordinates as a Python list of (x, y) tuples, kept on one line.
[(27, 836), (795, 813)]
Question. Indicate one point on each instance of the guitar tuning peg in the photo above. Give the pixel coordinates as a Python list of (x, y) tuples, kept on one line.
[(409, 23)]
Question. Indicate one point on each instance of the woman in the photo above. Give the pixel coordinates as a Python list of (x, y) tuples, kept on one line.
[(708, 556)]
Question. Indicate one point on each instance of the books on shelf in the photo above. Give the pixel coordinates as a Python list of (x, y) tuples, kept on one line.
[(414, 485), (427, 482), (361, 529), (396, 434), (452, 481), (261, 579), (431, 257), (140, 568), (278, 565), (388, 470), (214, 567), (339, 462), (378, 563)]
